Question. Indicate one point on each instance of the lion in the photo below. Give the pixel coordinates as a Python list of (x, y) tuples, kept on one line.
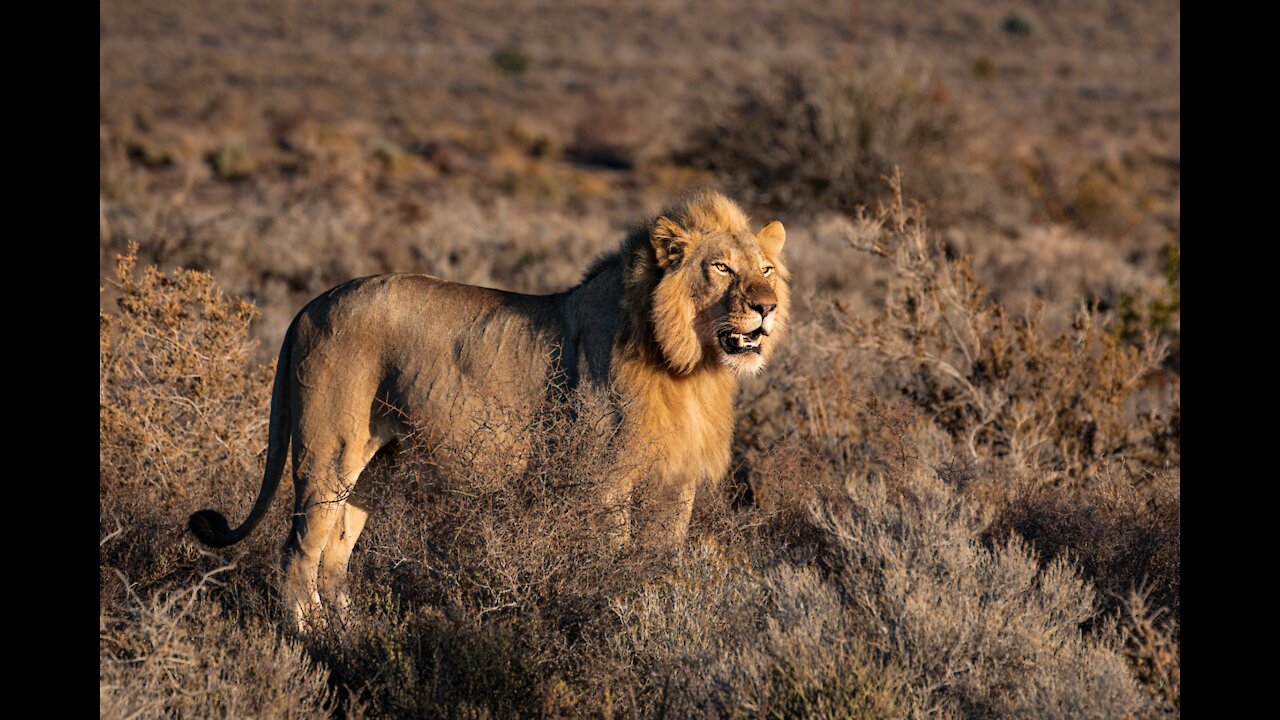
[(663, 326)]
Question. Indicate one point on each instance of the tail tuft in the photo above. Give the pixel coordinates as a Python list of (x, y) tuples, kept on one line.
[(210, 528)]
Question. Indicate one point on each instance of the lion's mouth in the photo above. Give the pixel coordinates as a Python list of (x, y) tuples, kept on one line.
[(735, 343)]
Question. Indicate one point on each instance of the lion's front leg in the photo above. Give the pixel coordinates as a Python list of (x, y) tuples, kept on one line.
[(615, 513), (662, 514)]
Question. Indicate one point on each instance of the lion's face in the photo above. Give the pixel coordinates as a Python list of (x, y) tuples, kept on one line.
[(736, 289)]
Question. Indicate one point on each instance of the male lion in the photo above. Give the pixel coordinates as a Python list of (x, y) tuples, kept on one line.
[(662, 327)]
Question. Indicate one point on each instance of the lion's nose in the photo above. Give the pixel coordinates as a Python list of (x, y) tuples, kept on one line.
[(764, 309)]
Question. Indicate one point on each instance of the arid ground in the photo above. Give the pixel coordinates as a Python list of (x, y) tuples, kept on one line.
[(955, 491)]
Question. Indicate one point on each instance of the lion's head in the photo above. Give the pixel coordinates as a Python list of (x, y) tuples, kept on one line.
[(716, 291)]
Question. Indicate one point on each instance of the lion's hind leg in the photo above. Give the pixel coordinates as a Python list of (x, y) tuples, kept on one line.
[(322, 483), (337, 555), (313, 520)]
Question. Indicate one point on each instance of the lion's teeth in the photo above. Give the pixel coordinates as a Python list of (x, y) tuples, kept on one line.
[(743, 342)]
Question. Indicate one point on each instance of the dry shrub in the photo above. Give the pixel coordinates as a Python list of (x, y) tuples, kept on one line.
[(486, 559), (183, 418), (720, 637), (1063, 434), (1151, 645), (604, 134), (182, 423), (978, 632), (1157, 310), (800, 139), (405, 660), (903, 612), (890, 603), (866, 586), (1060, 437), (491, 591), (520, 498), (1054, 267), (1006, 388), (750, 623), (179, 401), (175, 655), (1123, 535), (1109, 197)]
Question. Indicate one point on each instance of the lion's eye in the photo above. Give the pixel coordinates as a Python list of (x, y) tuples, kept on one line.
[(721, 267), (767, 270)]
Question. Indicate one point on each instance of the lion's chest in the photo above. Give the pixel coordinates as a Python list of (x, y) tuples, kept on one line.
[(685, 427)]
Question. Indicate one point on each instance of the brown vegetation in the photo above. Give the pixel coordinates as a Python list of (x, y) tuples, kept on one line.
[(955, 489)]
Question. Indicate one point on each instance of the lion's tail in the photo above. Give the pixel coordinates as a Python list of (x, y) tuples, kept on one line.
[(210, 526)]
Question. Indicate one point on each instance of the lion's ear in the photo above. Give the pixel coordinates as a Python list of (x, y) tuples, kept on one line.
[(670, 241), (771, 237)]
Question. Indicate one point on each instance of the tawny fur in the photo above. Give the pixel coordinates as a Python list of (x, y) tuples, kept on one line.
[(646, 329)]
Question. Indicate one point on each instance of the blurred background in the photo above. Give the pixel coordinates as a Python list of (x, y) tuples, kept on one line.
[(288, 146)]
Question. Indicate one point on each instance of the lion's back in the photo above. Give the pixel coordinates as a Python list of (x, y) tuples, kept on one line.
[(430, 349)]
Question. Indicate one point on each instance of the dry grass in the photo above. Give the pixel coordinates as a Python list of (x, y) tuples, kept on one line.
[(955, 491), (1008, 389), (1125, 535), (1152, 647), (798, 140), (178, 397), (174, 655), (980, 632), (493, 593)]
